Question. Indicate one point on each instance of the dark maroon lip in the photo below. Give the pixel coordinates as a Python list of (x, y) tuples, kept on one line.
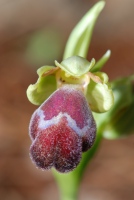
[(59, 141)]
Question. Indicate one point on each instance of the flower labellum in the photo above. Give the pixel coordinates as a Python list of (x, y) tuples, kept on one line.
[(61, 129)]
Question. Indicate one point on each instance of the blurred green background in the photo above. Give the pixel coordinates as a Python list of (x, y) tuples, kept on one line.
[(32, 34)]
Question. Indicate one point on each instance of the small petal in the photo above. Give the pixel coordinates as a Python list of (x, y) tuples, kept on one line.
[(100, 63), (44, 86), (100, 95), (103, 76)]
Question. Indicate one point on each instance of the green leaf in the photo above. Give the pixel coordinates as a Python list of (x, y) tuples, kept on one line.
[(122, 124), (44, 87), (100, 63), (79, 40), (123, 95), (76, 65), (120, 119), (118, 122)]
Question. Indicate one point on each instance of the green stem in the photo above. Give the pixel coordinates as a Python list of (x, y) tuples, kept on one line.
[(69, 183)]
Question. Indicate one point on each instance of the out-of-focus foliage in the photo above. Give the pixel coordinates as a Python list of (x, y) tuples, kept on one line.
[(44, 46), (119, 121)]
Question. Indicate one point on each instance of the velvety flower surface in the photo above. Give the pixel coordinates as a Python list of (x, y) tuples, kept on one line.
[(61, 129)]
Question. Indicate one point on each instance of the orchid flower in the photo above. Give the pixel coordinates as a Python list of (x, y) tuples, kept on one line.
[(63, 126)]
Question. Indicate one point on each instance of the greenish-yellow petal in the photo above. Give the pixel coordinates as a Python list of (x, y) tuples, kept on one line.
[(76, 65), (100, 96), (103, 76), (100, 63), (37, 93)]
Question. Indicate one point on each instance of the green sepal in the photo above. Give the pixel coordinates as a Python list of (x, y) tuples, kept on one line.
[(37, 93), (100, 63), (79, 40), (100, 95), (75, 65)]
